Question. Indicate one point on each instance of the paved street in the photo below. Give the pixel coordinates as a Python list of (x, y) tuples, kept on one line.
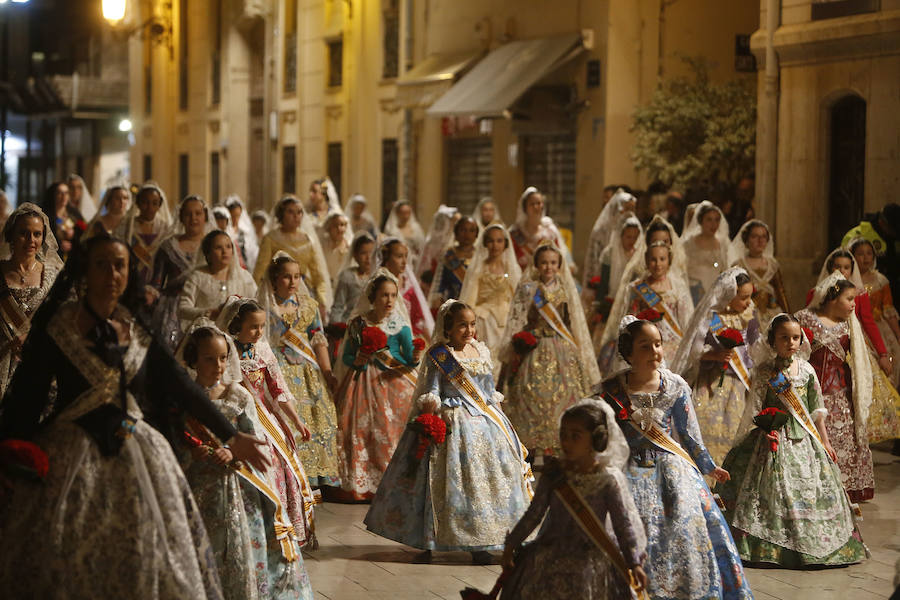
[(353, 564)]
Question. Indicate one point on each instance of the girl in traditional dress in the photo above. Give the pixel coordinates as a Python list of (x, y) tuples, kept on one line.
[(561, 368), (213, 279), (788, 506), (294, 331), (29, 263), (610, 218), (485, 213), (402, 223), (439, 239), (658, 290), (114, 494), (80, 197), (353, 277), (449, 498), (659, 230), (145, 225), (335, 244), (720, 376), (238, 504), (533, 227), (882, 303), (706, 244), (753, 250), (361, 220), (242, 231), (393, 255), (691, 554), (113, 208), (245, 321), (377, 385), (260, 220), (451, 268), (297, 237), (173, 263), (570, 558), (488, 288), (64, 219), (841, 363)]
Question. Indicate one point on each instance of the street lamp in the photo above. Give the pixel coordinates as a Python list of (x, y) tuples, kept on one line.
[(157, 28), (114, 10)]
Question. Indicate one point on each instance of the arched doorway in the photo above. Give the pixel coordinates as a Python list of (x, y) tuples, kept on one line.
[(847, 167)]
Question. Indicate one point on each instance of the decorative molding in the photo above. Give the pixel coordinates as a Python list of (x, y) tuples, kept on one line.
[(334, 111), (214, 125), (289, 116), (389, 105)]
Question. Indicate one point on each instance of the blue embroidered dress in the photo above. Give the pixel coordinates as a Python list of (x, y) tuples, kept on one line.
[(466, 493), (691, 554), (447, 281)]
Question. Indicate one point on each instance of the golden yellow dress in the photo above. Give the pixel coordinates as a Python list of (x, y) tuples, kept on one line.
[(301, 250)]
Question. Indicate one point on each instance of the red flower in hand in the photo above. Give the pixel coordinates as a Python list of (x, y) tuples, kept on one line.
[(372, 339), (649, 315), (432, 430), (730, 338), (80, 225), (24, 457), (595, 282), (524, 342), (418, 344)]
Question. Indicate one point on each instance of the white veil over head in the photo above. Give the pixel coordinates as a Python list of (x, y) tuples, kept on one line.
[(234, 267), (440, 237), (261, 214), (618, 259), (230, 310), (49, 251), (611, 214), (232, 372), (220, 212), (308, 227), (177, 227), (410, 282), (858, 240), (103, 208), (266, 297), (717, 298), (162, 220), (335, 214), (245, 227), (476, 213), (546, 221), (334, 203), (523, 298), (737, 249), (87, 206), (762, 352), (824, 272), (415, 238), (469, 291), (350, 259), (366, 216), (694, 228)]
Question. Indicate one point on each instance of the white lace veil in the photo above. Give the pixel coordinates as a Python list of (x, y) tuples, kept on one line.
[(858, 357), (476, 213), (411, 282), (265, 294), (232, 372), (261, 214), (103, 209), (350, 260), (523, 298), (308, 227), (177, 227), (439, 239), (762, 352), (87, 207), (694, 229), (366, 214), (234, 268), (469, 292), (717, 298), (522, 219), (415, 241), (611, 215), (855, 277), (245, 226), (162, 220), (334, 203), (49, 252), (618, 259), (737, 249), (853, 242)]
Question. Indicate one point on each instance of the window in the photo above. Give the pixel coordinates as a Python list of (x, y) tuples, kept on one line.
[(290, 46), (288, 170), (183, 55), (549, 165), (182, 176), (469, 172), (148, 76), (388, 172), (744, 61), (334, 166), (335, 62), (216, 59), (831, 9), (214, 177), (391, 48), (148, 167)]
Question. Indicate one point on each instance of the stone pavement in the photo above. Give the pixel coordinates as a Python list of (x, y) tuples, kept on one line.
[(353, 564)]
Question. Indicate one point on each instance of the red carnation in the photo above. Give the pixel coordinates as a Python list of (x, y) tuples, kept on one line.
[(432, 431), (730, 338), (80, 225), (418, 344), (372, 339), (23, 457), (649, 314), (524, 342), (595, 282), (771, 420)]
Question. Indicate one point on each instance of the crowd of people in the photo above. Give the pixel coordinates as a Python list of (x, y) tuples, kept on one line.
[(182, 389)]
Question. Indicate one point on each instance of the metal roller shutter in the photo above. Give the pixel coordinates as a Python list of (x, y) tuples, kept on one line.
[(549, 162), (469, 172)]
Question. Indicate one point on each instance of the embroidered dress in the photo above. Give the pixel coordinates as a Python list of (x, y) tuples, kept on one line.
[(788, 508), (130, 513), (308, 255), (300, 315), (525, 244), (373, 403), (171, 268), (829, 359), (492, 308), (703, 266), (263, 379), (25, 301), (202, 292), (691, 554), (349, 286), (719, 408), (466, 493), (548, 379), (884, 414), (768, 288), (563, 562), (448, 278)]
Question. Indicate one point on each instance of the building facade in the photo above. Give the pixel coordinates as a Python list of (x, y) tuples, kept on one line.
[(260, 97)]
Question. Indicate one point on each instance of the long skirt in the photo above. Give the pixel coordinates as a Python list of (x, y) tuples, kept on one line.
[(719, 410)]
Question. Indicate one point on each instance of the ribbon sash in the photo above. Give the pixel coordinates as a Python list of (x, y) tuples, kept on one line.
[(299, 343), (783, 389), (13, 316), (550, 314), (655, 301), (447, 364), (737, 363), (654, 433), (284, 530), (387, 361), (591, 525)]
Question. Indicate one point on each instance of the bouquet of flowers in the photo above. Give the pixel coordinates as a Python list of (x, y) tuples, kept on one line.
[(769, 420), (418, 345), (649, 314), (432, 431), (371, 340), (524, 342), (23, 458), (595, 282), (729, 339)]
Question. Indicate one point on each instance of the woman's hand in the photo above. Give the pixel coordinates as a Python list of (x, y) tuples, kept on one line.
[(830, 451), (303, 430), (222, 457), (720, 475), (430, 406), (640, 577), (718, 355), (361, 359), (247, 448), (330, 381), (886, 364), (772, 436)]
